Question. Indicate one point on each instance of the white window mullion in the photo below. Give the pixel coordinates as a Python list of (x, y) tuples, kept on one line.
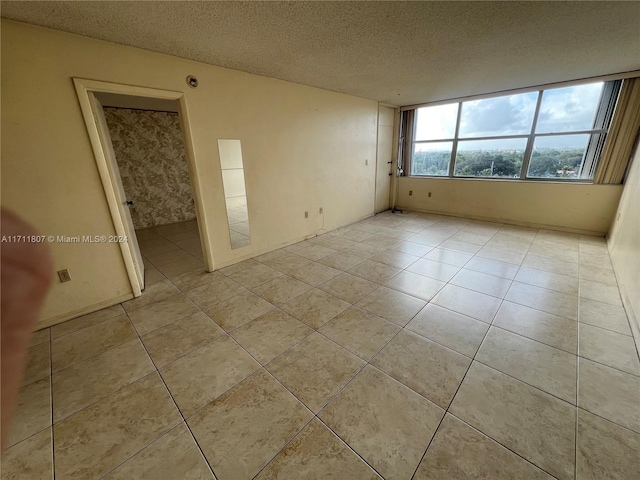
[(454, 148), (602, 120), (529, 149), (543, 141)]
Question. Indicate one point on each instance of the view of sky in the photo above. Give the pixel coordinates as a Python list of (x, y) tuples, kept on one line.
[(569, 109), (510, 115), (562, 110), (436, 122)]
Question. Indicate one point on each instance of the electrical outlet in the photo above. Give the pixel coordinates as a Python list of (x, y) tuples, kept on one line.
[(64, 276), (429, 195), (410, 192), (306, 214), (321, 211)]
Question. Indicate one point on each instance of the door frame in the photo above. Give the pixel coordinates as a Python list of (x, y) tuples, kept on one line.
[(85, 89), (388, 175), (121, 195)]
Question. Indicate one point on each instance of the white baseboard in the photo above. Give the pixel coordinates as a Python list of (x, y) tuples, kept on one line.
[(631, 315), (48, 322), (220, 265), (44, 323), (507, 221)]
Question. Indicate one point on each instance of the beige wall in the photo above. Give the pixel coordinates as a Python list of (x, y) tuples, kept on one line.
[(579, 207), (303, 148), (624, 245)]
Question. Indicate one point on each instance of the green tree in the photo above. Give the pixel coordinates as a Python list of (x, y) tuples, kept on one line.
[(544, 163)]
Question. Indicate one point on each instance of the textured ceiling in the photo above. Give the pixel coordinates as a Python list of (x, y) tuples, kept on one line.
[(400, 53)]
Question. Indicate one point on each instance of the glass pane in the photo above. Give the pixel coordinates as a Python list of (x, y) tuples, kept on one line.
[(492, 117), (569, 109), (490, 158), (431, 158), (558, 156), (235, 193), (433, 123)]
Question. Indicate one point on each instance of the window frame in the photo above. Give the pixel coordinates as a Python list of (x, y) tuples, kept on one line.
[(597, 135)]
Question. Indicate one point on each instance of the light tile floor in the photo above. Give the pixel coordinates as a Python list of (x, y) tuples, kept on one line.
[(405, 346)]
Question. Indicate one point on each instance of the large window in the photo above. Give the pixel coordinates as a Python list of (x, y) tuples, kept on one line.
[(556, 133)]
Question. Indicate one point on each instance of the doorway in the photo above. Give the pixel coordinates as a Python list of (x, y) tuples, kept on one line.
[(153, 195)]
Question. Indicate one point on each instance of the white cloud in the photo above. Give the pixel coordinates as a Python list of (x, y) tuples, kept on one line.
[(562, 110), (569, 109), (508, 115)]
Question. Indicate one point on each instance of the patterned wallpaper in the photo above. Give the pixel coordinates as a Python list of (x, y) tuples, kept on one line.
[(152, 160)]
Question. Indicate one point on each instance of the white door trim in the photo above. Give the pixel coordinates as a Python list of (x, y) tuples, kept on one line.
[(116, 182), (86, 87)]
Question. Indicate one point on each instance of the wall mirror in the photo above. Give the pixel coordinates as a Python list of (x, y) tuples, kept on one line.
[(235, 192)]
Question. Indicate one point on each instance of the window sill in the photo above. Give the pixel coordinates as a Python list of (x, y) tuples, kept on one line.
[(517, 180)]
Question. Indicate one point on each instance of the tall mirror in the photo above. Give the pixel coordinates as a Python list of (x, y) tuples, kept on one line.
[(235, 193)]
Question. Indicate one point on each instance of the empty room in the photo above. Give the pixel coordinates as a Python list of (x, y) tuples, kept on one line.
[(320, 240)]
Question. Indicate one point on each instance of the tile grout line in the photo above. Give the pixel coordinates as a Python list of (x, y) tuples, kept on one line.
[(526, 383), (502, 445), (334, 396), (342, 347), (458, 389), (615, 275), (575, 438), (83, 328), (369, 362), (347, 444), (94, 355), (502, 300), (197, 234), (608, 420), (314, 416), (499, 327), (296, 435), (157, 371), (50, 425), (515, 280), (314, 330), (262, 367), (435, 342), (435, 432), (53, 449), (534, 340), (353, 378), (608, 330), (163, 435), (101, 398), (225, 332), (577, 357)]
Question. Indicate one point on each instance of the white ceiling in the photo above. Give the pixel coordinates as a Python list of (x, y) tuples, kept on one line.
[(400, 53)]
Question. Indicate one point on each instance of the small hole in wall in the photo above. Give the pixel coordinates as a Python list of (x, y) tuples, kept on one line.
[(192, 81)]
